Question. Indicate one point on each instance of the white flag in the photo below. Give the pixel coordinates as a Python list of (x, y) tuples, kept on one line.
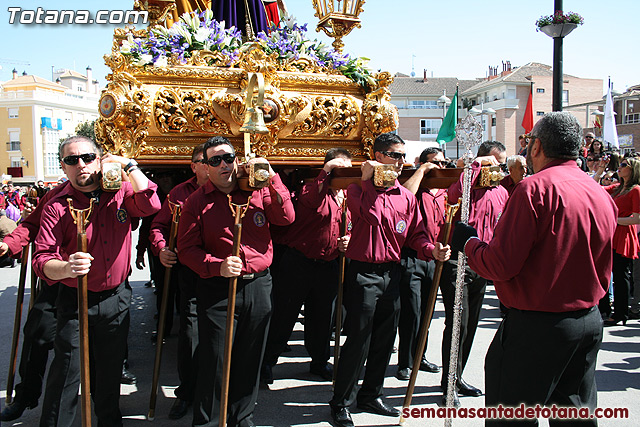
[(609, 131)]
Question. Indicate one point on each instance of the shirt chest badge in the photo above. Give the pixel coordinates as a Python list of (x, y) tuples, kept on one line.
[(259, 219), (349, 226), (401, 226), (121, 215)]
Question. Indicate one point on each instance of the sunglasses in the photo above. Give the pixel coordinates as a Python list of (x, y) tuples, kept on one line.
[(86, 158), (588, 137), (394, 154), (624, 165), (216, 160), (439, 162)]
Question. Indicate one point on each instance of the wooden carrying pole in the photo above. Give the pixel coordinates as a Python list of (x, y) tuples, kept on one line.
[(238, 212), (342, 261), (16, 323), (35, 285), (173, 232), (431, 302), (81, 219)]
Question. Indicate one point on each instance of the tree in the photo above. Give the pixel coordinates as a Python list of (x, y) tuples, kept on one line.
[(86, 129)]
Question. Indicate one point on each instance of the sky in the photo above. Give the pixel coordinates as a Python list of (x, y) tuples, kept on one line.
[(455, 38)]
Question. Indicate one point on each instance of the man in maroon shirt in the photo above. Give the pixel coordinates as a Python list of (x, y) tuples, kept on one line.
[(517, 167), (40, 326), (550, 259), (309, 270), (186, 280), (384, 221), (417, 274), (487, 204), (205, 243), (107, 265)]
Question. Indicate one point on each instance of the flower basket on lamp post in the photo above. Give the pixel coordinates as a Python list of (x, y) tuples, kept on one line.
[(558, 30)]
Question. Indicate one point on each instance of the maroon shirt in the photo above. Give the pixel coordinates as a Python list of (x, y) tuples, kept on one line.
[(161, 224), (108, 233), (433, 208), (385, 220), (205, 232), (316, 229), (552, 249), (486, 207), (28, 227), (508, 184)]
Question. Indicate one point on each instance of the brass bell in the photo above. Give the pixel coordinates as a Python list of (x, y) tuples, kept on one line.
[(254, 121)]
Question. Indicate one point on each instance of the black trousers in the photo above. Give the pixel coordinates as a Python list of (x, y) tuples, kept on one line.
[(372, 302), (251, 322), (308, 281), (108, 330), (39, 334), (415, 284), (544, 358), (621, 286), (187, 334), (157, 275), (473, 294)]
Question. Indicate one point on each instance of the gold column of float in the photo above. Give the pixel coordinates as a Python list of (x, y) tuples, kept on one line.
[(253, 117)]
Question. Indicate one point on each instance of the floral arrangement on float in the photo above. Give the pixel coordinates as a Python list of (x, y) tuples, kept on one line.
[(197, 33)]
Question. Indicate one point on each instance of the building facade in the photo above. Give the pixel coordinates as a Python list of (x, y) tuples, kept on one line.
[(35, 114)]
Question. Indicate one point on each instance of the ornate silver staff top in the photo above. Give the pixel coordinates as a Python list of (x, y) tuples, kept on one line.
[(469, 133)]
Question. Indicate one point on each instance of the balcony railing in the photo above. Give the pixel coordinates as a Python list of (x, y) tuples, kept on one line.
[(15, 172), (13, 146)]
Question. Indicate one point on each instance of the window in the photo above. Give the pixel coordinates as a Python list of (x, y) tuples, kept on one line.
[(539, 113), (15, 162), (632, 118), (51, 142), (13, 113), (68, 116), (421, 103), (493, 121), (565, 97), (511, 94), (540, 90), (430, 127)]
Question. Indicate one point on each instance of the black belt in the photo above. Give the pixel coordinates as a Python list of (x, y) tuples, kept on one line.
[(103, 295), (252, 276)]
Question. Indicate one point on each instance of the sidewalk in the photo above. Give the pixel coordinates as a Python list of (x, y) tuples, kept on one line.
[(297, 398)]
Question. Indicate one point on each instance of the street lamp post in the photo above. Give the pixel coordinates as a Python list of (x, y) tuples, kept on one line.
[(483, 112), (444, 101)]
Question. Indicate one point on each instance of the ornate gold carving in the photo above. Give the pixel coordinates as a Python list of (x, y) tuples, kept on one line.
[(124, 133), (330, 117), (177, 110)]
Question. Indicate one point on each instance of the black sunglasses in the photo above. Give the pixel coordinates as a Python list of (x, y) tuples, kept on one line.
[(394, 154), (624, 165), (216, 160), (439, 162), (86, 158), (588, 137)]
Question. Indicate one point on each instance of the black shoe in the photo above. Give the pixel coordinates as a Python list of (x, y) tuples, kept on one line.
[(266, 374), (341, 417), (127, 377), (456, 400), (427, 366), (377, 406), (467, 389), (633, 315), (612, 321), (148, 284), (403, 374), (179, 409), (325, 371), (14, 410)]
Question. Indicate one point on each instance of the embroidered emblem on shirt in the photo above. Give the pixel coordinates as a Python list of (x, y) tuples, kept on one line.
[(349, 226), (401, 226), (121, 215), (259, 219)]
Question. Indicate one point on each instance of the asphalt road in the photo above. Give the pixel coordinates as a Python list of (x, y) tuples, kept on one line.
[(299, 399)]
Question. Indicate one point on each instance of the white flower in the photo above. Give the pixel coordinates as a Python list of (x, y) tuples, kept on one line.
[(127, 45), (144, 60), (202, 34), (161, 61)]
